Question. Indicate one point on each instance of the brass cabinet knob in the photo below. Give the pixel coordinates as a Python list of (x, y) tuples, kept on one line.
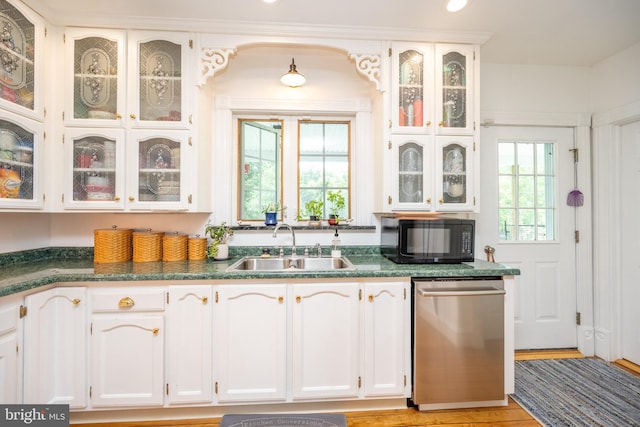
[(132, 199), (204, 300), (126, 302), (441, 201), (155, 331), (118, 116), (298, 299), (133, 116), (428, 122), (75, 301), (281, 299), (428, 200), (371, 297), (116, 198)]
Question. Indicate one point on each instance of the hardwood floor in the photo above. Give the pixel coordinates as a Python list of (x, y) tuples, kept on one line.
[(504, 416)]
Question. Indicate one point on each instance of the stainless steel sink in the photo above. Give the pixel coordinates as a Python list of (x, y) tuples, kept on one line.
[(275, 264)]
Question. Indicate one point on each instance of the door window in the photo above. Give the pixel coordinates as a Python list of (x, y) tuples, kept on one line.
[(527, 193)]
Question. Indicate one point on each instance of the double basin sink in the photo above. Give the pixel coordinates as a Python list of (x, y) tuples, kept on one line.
[(291, 264)]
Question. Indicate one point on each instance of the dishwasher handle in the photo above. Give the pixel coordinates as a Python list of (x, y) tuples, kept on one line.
[(459, 292)]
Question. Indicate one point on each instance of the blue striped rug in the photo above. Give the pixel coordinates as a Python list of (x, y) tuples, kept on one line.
[(578, 392)]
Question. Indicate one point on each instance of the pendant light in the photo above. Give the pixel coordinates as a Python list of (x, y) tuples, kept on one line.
[(293, 78)]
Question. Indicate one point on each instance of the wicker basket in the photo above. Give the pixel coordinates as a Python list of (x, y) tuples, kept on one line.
[(112, 245), (174, 247), (197, 248), (147, 246)]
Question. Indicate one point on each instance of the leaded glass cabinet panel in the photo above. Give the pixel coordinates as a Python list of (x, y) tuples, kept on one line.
[(454, 83)]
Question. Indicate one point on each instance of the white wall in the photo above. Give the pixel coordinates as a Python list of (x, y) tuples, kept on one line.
[(507, 88), (615, 81)]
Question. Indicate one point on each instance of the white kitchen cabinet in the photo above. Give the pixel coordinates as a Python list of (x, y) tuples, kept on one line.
[(387, 309), (127, 121), (95, 168), (127, 347), (55, 357), (158, 178), (21, 162), (189, 339), (11, 350), (454, 173), (251, 342), (325, 342), (22, 56), (128, 79), (431, 143)]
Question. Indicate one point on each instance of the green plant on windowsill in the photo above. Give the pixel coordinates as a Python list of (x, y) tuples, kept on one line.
[(336, 205), (313, 208)]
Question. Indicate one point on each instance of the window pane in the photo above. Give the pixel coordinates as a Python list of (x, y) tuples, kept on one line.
[(260, 166), (526, 188), (323, 163)]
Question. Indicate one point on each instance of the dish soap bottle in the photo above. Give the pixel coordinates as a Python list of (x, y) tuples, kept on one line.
[(335, 248)]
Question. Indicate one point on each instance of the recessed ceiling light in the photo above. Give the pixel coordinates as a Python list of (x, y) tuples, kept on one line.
[(269, 1), (456, 5)]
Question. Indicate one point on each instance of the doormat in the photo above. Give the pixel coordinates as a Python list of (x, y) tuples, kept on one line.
[(284, 420), (578, 392)]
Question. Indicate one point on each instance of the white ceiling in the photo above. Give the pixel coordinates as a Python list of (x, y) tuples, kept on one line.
[(543, 32)]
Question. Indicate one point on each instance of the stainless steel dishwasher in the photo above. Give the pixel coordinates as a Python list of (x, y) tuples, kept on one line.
[(458, 342)]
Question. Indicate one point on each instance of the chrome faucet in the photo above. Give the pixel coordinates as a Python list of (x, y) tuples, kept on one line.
[(293, 236)]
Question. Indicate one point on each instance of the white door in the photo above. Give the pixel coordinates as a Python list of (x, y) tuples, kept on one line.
[(630, 203), (526, 218)]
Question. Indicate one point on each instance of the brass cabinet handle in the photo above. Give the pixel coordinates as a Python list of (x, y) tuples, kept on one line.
[(371, 297), (441, 201), (298, 299), (441, 124), (133, 116), (428, 122), (204, 300), (116, 199), (131, 198), (428, 200), (281, 299), (75, 301), (155, 331), (118, 116), (126, 302)]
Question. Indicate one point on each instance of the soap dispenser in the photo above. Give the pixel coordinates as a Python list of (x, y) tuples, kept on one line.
[(335, 246)]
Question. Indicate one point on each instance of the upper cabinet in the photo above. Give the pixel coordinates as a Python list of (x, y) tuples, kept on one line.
[(21, 49), (20, 162), (127, 120), (432, 132), (132, 79)]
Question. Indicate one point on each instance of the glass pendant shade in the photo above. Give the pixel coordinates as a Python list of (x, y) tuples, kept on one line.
[(293, 78)]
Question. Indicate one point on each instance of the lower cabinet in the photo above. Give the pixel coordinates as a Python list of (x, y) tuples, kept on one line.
[(325, 344), (144, 346), (127, 347), (189, 339), (251, 342), (55, 356), (10, 350)]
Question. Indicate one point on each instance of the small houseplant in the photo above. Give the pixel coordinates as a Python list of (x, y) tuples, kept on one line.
[(336, 205), (270, 212), (313, 208), (220, 235)]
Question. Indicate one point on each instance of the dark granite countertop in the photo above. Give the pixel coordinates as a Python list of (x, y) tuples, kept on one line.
[(26, 270)]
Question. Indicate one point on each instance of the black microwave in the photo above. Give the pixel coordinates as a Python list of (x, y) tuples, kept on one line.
[(427, 241)]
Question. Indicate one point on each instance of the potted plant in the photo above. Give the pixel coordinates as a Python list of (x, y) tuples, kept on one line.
[(313, 208), (336, 205), (220, 235), (270, 212)]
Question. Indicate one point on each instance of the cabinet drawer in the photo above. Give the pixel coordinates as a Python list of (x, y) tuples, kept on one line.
[(127, 300)]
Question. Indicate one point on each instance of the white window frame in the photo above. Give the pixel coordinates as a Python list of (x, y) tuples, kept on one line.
[(224, 166)]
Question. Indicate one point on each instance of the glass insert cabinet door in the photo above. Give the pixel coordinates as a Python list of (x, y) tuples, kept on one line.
[(455, 178), (159, 170), (454, 78), (19, 160), (20, 36), (413, 94), (413, 173), (97, 169), (160, 78), (98, 69)]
